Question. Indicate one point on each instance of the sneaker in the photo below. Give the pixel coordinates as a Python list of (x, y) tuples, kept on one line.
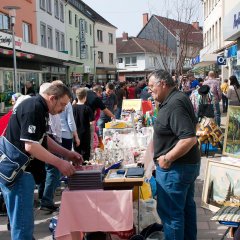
[(52, 208)]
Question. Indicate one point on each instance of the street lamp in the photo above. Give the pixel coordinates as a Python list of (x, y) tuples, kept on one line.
[(12, 15)]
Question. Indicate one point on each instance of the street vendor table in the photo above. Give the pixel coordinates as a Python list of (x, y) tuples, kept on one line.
[(94, 210)]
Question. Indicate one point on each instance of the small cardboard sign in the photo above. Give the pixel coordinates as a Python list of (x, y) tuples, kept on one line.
[(132, 104)]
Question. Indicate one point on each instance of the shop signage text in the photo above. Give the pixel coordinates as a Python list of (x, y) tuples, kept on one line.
[(82, 39), (6, 41), (236, 20)]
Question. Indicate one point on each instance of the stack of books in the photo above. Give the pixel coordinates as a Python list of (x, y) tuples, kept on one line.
[(86, 179)]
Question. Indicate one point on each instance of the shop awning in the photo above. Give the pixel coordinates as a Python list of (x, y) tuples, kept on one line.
[(204, 64), (206, 60)]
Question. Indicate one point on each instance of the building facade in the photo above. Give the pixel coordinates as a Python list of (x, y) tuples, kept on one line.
[(137, 57), (54, 40), (80, 42), (184, 39), (231, 34)]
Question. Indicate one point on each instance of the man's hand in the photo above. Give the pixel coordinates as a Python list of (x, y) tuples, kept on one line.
[(75, 157), (164, 162), (77, 141), (66, 168)]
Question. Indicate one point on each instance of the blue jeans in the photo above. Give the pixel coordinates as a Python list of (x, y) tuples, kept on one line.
[(224, 103), (51, 183), (118, 113), (217, 114), (19, 202), (101, 125), (175, 201)]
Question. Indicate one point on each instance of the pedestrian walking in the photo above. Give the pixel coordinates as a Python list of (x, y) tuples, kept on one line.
[(224, 89)]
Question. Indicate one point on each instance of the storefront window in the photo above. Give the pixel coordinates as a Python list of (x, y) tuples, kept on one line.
[(7, 81), (236, 69), (7, 91)]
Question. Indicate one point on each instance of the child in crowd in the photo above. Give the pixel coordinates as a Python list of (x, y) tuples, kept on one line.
[(83, 116)]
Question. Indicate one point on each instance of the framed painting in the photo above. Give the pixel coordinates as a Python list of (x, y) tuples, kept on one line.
[(231, 145), (221, 186)]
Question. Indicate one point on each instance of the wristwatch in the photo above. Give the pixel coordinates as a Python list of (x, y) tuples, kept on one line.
[(166, 160)]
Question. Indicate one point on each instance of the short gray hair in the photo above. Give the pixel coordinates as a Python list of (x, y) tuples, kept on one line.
[(44, 86), (162, 75)]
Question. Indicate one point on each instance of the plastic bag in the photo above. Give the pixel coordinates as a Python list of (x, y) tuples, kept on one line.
[(148, 213), (145, 191)]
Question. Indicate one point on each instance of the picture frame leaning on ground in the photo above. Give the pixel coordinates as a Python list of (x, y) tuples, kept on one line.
[(231, 145), (221, 185)]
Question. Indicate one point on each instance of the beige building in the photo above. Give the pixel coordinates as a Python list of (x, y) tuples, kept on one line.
[(105, 51)]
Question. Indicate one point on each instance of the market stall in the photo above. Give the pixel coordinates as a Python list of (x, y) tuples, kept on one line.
[(114, 172)]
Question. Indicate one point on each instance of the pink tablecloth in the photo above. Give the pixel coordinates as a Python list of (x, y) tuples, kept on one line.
[(94, 210)]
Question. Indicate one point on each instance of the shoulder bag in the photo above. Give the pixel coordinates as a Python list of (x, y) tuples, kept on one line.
[(206, 109), (12, 162)]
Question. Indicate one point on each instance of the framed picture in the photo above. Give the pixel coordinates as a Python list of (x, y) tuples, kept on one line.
[(231, 146), (221, 186)]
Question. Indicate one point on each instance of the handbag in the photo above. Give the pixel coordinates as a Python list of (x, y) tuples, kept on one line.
[(12, 162), (206, 108)]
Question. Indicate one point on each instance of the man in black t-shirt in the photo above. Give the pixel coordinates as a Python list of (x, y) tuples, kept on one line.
[(121, 94), (26, 129), (177, 157), (95, 102), (110, 101)]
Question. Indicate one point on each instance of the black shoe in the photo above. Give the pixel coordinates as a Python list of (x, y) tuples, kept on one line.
[(8, 226), (52, 208)]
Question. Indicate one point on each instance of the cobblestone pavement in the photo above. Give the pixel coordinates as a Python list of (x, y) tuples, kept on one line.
[(207, 230)]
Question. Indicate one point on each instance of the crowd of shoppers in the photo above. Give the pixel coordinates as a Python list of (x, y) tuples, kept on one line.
[(71, 118)]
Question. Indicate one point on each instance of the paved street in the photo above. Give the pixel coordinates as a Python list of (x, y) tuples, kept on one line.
[(207, 230)]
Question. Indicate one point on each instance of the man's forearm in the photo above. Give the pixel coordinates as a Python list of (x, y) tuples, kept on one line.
[(181, 148), (55, 148), (108, 113), (39, 152)]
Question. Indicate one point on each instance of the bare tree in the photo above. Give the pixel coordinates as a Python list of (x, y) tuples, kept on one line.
[(187, 39)]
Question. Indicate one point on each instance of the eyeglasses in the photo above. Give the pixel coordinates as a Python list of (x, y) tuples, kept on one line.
[(151, 86)]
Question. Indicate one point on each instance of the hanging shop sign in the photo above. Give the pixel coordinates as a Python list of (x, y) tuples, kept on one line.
[(196, 60), (221, 60), (6, 41), (82, 39)]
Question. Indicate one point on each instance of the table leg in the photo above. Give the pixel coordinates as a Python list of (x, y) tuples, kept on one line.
[(225, 234), (138, 220)]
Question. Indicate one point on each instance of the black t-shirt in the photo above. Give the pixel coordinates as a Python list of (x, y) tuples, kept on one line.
[(83, 115), (29, 122), (94, 102), (120, 94), (31, 92), (176, 120), (109, 101)]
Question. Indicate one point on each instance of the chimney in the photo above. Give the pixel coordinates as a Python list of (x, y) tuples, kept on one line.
[(145, 19), (196, 25), (125, 36)]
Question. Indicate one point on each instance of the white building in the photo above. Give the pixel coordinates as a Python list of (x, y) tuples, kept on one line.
[(216, 14), (137, 57), (231, 33)]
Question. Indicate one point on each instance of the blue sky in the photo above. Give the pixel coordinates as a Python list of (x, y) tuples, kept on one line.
[(126, 15)]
